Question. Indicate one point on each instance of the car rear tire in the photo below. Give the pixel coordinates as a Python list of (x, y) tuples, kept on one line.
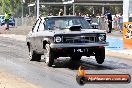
[(13, 25), (100, 55), (2, 24), (33, 55), (48, 55)]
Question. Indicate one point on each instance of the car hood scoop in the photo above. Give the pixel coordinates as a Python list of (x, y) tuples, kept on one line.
[(75, 28)]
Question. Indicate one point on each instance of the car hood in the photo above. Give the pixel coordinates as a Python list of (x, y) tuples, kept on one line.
[(66, 31)]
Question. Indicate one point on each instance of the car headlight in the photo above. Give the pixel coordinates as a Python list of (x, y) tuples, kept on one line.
[(58, 39), (101, 37)]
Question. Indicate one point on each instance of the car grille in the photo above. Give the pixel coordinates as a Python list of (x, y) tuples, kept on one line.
[(79, 39)]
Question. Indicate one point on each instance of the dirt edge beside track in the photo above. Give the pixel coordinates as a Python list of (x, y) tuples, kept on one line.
[(10, 81)]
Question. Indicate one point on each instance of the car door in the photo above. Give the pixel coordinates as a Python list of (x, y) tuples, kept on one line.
[(39, 37), (33, 35)]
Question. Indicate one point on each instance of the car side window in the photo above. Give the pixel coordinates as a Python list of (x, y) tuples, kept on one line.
[(41, 26), (45, 26), (48, 24), (36, 25)]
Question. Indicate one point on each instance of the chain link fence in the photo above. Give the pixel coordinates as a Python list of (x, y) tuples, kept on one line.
[(103, 24), (101, 21), (27, 21)]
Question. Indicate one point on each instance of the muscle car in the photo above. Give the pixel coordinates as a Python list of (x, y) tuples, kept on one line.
[(65, 36)]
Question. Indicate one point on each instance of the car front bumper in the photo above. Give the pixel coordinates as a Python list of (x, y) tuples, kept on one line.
[(69, 45)]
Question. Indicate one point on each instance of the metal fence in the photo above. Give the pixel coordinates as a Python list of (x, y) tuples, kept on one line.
[(27, 21), (103, 24)]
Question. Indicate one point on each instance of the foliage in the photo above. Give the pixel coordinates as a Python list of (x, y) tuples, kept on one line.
[(9, 5), (29, 1), (15, 7)]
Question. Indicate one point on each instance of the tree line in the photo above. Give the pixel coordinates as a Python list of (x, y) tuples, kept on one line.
[(15, 7)]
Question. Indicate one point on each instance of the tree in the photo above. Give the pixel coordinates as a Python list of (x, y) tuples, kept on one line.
[(9, 5)]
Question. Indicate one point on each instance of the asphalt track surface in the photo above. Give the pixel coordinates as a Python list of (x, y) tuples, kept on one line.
[(14, 59)]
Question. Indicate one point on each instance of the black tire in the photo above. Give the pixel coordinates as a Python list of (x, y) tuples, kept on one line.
[(33, 56), (48, 55), (13, 25), (100, 55), (76, 57), (81, 80), (2, 24)]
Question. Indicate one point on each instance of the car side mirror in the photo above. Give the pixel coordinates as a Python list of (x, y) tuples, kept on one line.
[(33, 28), (49, 28), (94, 25)]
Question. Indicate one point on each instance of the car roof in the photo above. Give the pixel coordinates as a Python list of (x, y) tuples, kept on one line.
[(71, 16)]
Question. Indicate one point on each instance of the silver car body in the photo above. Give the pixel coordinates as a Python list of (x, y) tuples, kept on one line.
[(38, 35)]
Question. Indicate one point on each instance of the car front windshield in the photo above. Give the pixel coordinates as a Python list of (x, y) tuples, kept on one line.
[(65, 22)]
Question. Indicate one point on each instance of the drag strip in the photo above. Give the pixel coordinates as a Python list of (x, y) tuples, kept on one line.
[(14, 59)]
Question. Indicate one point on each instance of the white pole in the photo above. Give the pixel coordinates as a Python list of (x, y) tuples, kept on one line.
[(125, 10), (23, 1), (64, 9), (102, 10), (73, 9), (22, 13), (37, 9)]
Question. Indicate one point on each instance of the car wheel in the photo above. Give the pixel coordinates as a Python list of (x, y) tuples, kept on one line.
[(48, 55), (76, 57), (13, 25), (100, 55), (33, 55), (2, 24)]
